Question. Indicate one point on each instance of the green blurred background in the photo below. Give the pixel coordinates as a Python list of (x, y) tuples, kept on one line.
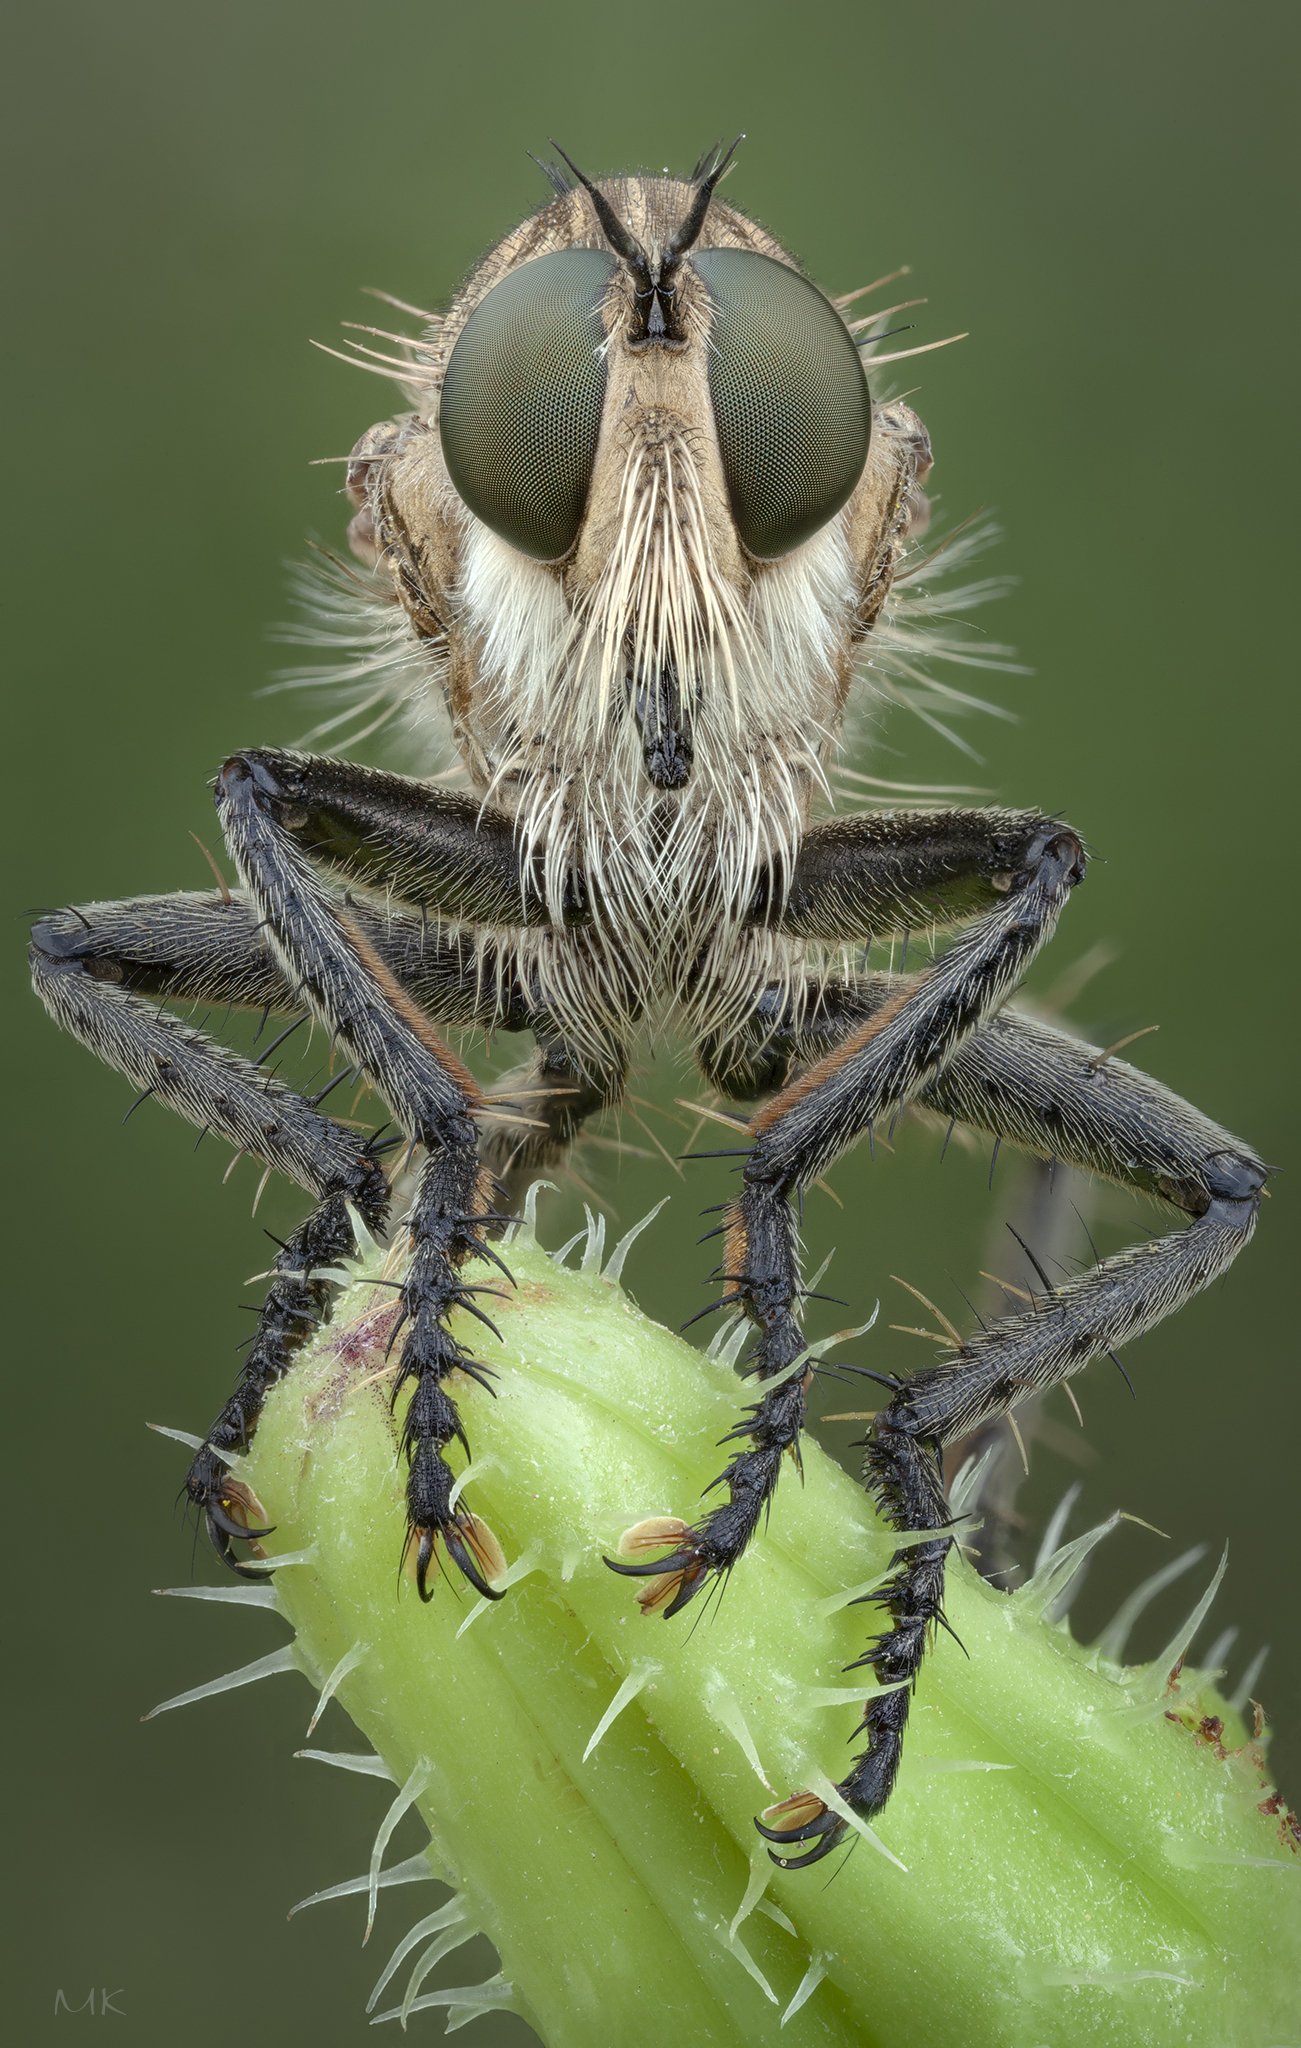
[(1100, 195)]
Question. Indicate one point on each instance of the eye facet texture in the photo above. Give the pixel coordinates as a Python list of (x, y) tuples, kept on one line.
[(522, 399), (791, 403)]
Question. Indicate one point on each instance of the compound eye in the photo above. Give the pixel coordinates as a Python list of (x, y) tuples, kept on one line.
[(522, 399), (791, 403)]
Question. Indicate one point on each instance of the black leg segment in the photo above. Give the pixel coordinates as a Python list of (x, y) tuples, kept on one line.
[(325, 954), (879, 1066), (433, 847), (222, 1092), (1042, 1090), (202, 946)]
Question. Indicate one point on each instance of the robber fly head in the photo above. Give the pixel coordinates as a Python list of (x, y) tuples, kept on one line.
[(643, 518), (677, 348)]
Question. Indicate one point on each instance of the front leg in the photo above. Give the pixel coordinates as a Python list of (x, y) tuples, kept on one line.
[(100, 969), (326, 957), (1032, 867), (449, 853), (869, 875)]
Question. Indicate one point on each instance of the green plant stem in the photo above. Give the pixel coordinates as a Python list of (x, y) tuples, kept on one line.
[(1077, 1866)]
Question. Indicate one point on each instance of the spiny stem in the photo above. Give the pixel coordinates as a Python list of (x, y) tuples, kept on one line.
[(1062, 1860)]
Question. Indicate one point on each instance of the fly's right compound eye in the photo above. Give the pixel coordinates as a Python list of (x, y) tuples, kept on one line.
[(522, 400)]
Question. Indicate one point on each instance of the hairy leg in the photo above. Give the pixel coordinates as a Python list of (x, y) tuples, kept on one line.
[(284, 942), (885, 1060), (222, 1092), (439, 849), (278, 814), (1047, 1207), (785, 1033), (1050, 1094), (865, 876), (540, 1109), (208, 947)]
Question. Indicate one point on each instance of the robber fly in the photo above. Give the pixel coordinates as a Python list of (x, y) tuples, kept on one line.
[(638, 533)]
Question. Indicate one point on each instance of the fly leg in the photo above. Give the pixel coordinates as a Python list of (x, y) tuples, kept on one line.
[(277, 811), (444, 852), (204, 946), (1026, 867), (1055, 1097), (538, 1112), (785, 1033), (79, 978), (285, 943)]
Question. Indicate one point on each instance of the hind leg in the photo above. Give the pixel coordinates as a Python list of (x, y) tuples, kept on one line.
[(1046, 1092)]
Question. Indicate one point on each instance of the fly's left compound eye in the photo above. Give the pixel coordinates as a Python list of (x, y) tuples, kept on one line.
[(522, 400), (791, 403)]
